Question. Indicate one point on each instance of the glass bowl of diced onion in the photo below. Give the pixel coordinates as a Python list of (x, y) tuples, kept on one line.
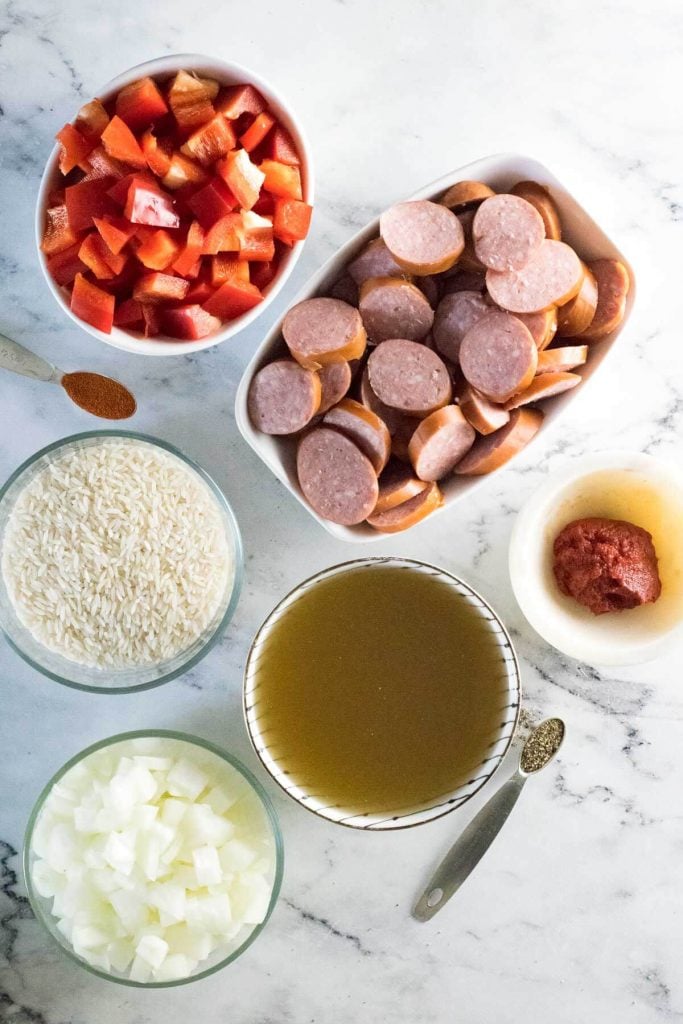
[(153, 858)]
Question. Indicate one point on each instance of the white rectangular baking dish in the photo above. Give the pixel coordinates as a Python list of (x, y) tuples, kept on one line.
[(500, 172)]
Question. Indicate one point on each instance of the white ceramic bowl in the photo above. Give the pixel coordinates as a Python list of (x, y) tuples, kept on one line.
[(227, 73), (617, 485), (501, 172)]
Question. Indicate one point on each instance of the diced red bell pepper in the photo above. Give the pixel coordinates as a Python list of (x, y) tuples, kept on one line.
[(140, 103), (86, 200), (232, 299), (257, 131), (101, 165), (224, 235), (292, 220), (187, 264), (256, 238), (211, 87), (56, 197), (240, 99), (116, 231), (281, 147), (264, 205), (92, 304), (150, 205), (121, 144), (99, 259), (64, 265), (225, 266), (200, 291), (128, 313), (261, 274), (188, 323), (158, 287), (119, 191), (211, 141), (243, 178), (159, 251), (157, 153), (281, 179), (182, 171), (91, 120), (75, 149), (212, 202), (190, 101), (59, 234), (150, 316)]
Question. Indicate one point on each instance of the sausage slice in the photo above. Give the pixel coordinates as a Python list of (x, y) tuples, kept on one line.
[(401, 517), (492, 452), (430, 288), (337, 480), (374, 261), (392, 307), (283, 397), (396, 485), (364, 428), (391, 417), (542, 326), (613, 286), (506, 232), (540, 198), (576, 316), (462, 281), (455, 315), (320, 331), (498, 356), (423, 237), (565, 358), (335, 381), (544, 385), (466, 194), (439, 442), (484, 416), (552, 277), (468, 260), (346, 289), (409, 377)]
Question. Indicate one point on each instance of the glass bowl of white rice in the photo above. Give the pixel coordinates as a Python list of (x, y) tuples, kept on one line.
[(153, 858), (120, 562)]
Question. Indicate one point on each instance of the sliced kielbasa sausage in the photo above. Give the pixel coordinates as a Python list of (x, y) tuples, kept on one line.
[(397, 484), (565, 358), (494, 450), (365, 429), (423, 237), (374, 261), (552, 277), (540, 198), (439, 442), (337, 480), (283, 397), (466, 194), (545, 385), (576, 316), (498, 356), (335, 381), (542, 326), (410, 512), (409, 377), (485, 416), (319, 331), (392, 307), (613, 287), (455, 315), (506, 232)]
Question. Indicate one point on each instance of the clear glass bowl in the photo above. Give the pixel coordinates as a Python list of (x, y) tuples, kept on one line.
[(41, 906), (127, 680)]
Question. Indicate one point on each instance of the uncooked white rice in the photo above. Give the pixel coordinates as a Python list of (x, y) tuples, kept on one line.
[(115, 555)]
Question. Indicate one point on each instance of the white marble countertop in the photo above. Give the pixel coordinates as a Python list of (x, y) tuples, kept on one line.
[(575, 914)]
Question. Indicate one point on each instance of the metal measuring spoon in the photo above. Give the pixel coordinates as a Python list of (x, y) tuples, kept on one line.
[(17, 359), (468, 849)]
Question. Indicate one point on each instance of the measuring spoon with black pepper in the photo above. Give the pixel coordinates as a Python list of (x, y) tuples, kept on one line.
[(468, 849), (99, 395)]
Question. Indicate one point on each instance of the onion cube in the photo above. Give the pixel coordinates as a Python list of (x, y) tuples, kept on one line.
[(186, 779), (119, 851), (250, 897), (169, 900), (183, 939), (152, 950), (236, 855), (175, 966), (140, 970), (209, 913), (89, 937), (120, 953), (173, 811), (207, 865)]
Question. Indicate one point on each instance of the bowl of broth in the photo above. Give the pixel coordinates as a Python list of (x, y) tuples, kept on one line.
[(382, 693)]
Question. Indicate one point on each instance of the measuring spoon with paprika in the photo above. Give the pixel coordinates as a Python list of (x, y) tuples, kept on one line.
[(99, 395)]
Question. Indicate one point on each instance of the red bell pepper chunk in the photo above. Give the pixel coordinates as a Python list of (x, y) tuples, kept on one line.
[(264, 205), (128, 313), (157, 153), (150, 316), (121, 144), (240, 99), (200, 291), (100, 165), (243, 178), (211, 141), (190, 101), (150, 205), (119, 191), (281, 179), (140, 103), (59, 235), (232, 299), (282, 148), (115, 231), (261, 274), (292, 220), (64, 265), (159, 251), (225, 266), (187, 264), (158, 287), (188, 323), (256, 238), (182, 171), (257, 131), (92, 304), (91, 120), (74, 149), (224, 235), (212, 202), (99, 258), (86, 200)]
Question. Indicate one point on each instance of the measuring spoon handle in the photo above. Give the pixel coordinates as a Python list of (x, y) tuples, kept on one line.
[(18, 359), (468, 849)]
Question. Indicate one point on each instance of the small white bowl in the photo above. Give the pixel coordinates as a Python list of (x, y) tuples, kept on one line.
[(227, 73), (617, 485), (500, 172)]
